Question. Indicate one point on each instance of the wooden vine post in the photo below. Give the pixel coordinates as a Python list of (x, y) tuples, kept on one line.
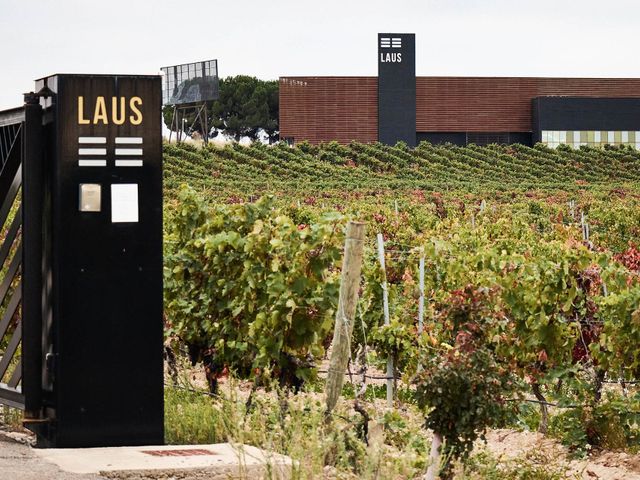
[(421, 301), (434, 458), (346, 313)]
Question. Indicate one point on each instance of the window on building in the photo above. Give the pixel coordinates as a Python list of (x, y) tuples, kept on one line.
[(592, 138), (624, 137), (583, 137), (570, 137), (563, 137), (487, 138), (617, 138)]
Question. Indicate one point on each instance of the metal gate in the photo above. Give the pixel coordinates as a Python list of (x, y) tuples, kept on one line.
[(11, 150), (21, 258)]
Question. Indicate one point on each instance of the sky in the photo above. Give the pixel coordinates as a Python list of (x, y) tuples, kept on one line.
[(272, 38)]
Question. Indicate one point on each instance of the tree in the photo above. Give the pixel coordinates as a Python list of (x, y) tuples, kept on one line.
[(272, 126), (246, 106)]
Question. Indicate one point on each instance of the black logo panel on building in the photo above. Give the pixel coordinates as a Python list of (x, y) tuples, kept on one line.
[(397, 88)]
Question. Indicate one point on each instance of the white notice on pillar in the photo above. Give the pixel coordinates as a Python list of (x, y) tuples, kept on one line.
[(124, 202)]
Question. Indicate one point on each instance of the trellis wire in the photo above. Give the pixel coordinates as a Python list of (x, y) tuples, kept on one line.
[(400, 253)]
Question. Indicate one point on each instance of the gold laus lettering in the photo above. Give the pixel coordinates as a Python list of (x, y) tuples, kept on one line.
[(119, 112)]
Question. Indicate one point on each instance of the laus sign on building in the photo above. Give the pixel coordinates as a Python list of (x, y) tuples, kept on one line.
[(397, 88)]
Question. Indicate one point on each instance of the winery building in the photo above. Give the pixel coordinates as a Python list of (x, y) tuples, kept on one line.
[(398, 106)]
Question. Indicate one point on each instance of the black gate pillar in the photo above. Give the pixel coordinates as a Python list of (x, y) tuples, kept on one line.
[(102, 328), (32, 246)]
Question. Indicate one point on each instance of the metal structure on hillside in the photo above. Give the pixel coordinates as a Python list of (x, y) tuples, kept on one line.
[(186, 89)]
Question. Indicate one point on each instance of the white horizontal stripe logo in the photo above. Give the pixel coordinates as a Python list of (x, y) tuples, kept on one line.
[(92, 163), (128, 151), (129, 140), (92, 139), (92, 151), (128, 163)]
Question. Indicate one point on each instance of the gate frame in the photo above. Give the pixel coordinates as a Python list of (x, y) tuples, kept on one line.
[(29, 169)]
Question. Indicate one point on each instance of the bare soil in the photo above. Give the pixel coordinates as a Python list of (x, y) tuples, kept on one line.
[(510, 444), (601, 465)]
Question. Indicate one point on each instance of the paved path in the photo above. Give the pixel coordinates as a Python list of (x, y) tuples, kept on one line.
[(19, 462)]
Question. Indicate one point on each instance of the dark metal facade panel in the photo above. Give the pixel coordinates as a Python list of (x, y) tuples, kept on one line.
[(501, 104), (580, 113), (320, 109)]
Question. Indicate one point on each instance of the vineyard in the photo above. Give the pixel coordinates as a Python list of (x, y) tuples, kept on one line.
[(373, 168), (503, 290)]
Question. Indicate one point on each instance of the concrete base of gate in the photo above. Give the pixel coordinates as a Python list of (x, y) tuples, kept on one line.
[(184, 462)]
